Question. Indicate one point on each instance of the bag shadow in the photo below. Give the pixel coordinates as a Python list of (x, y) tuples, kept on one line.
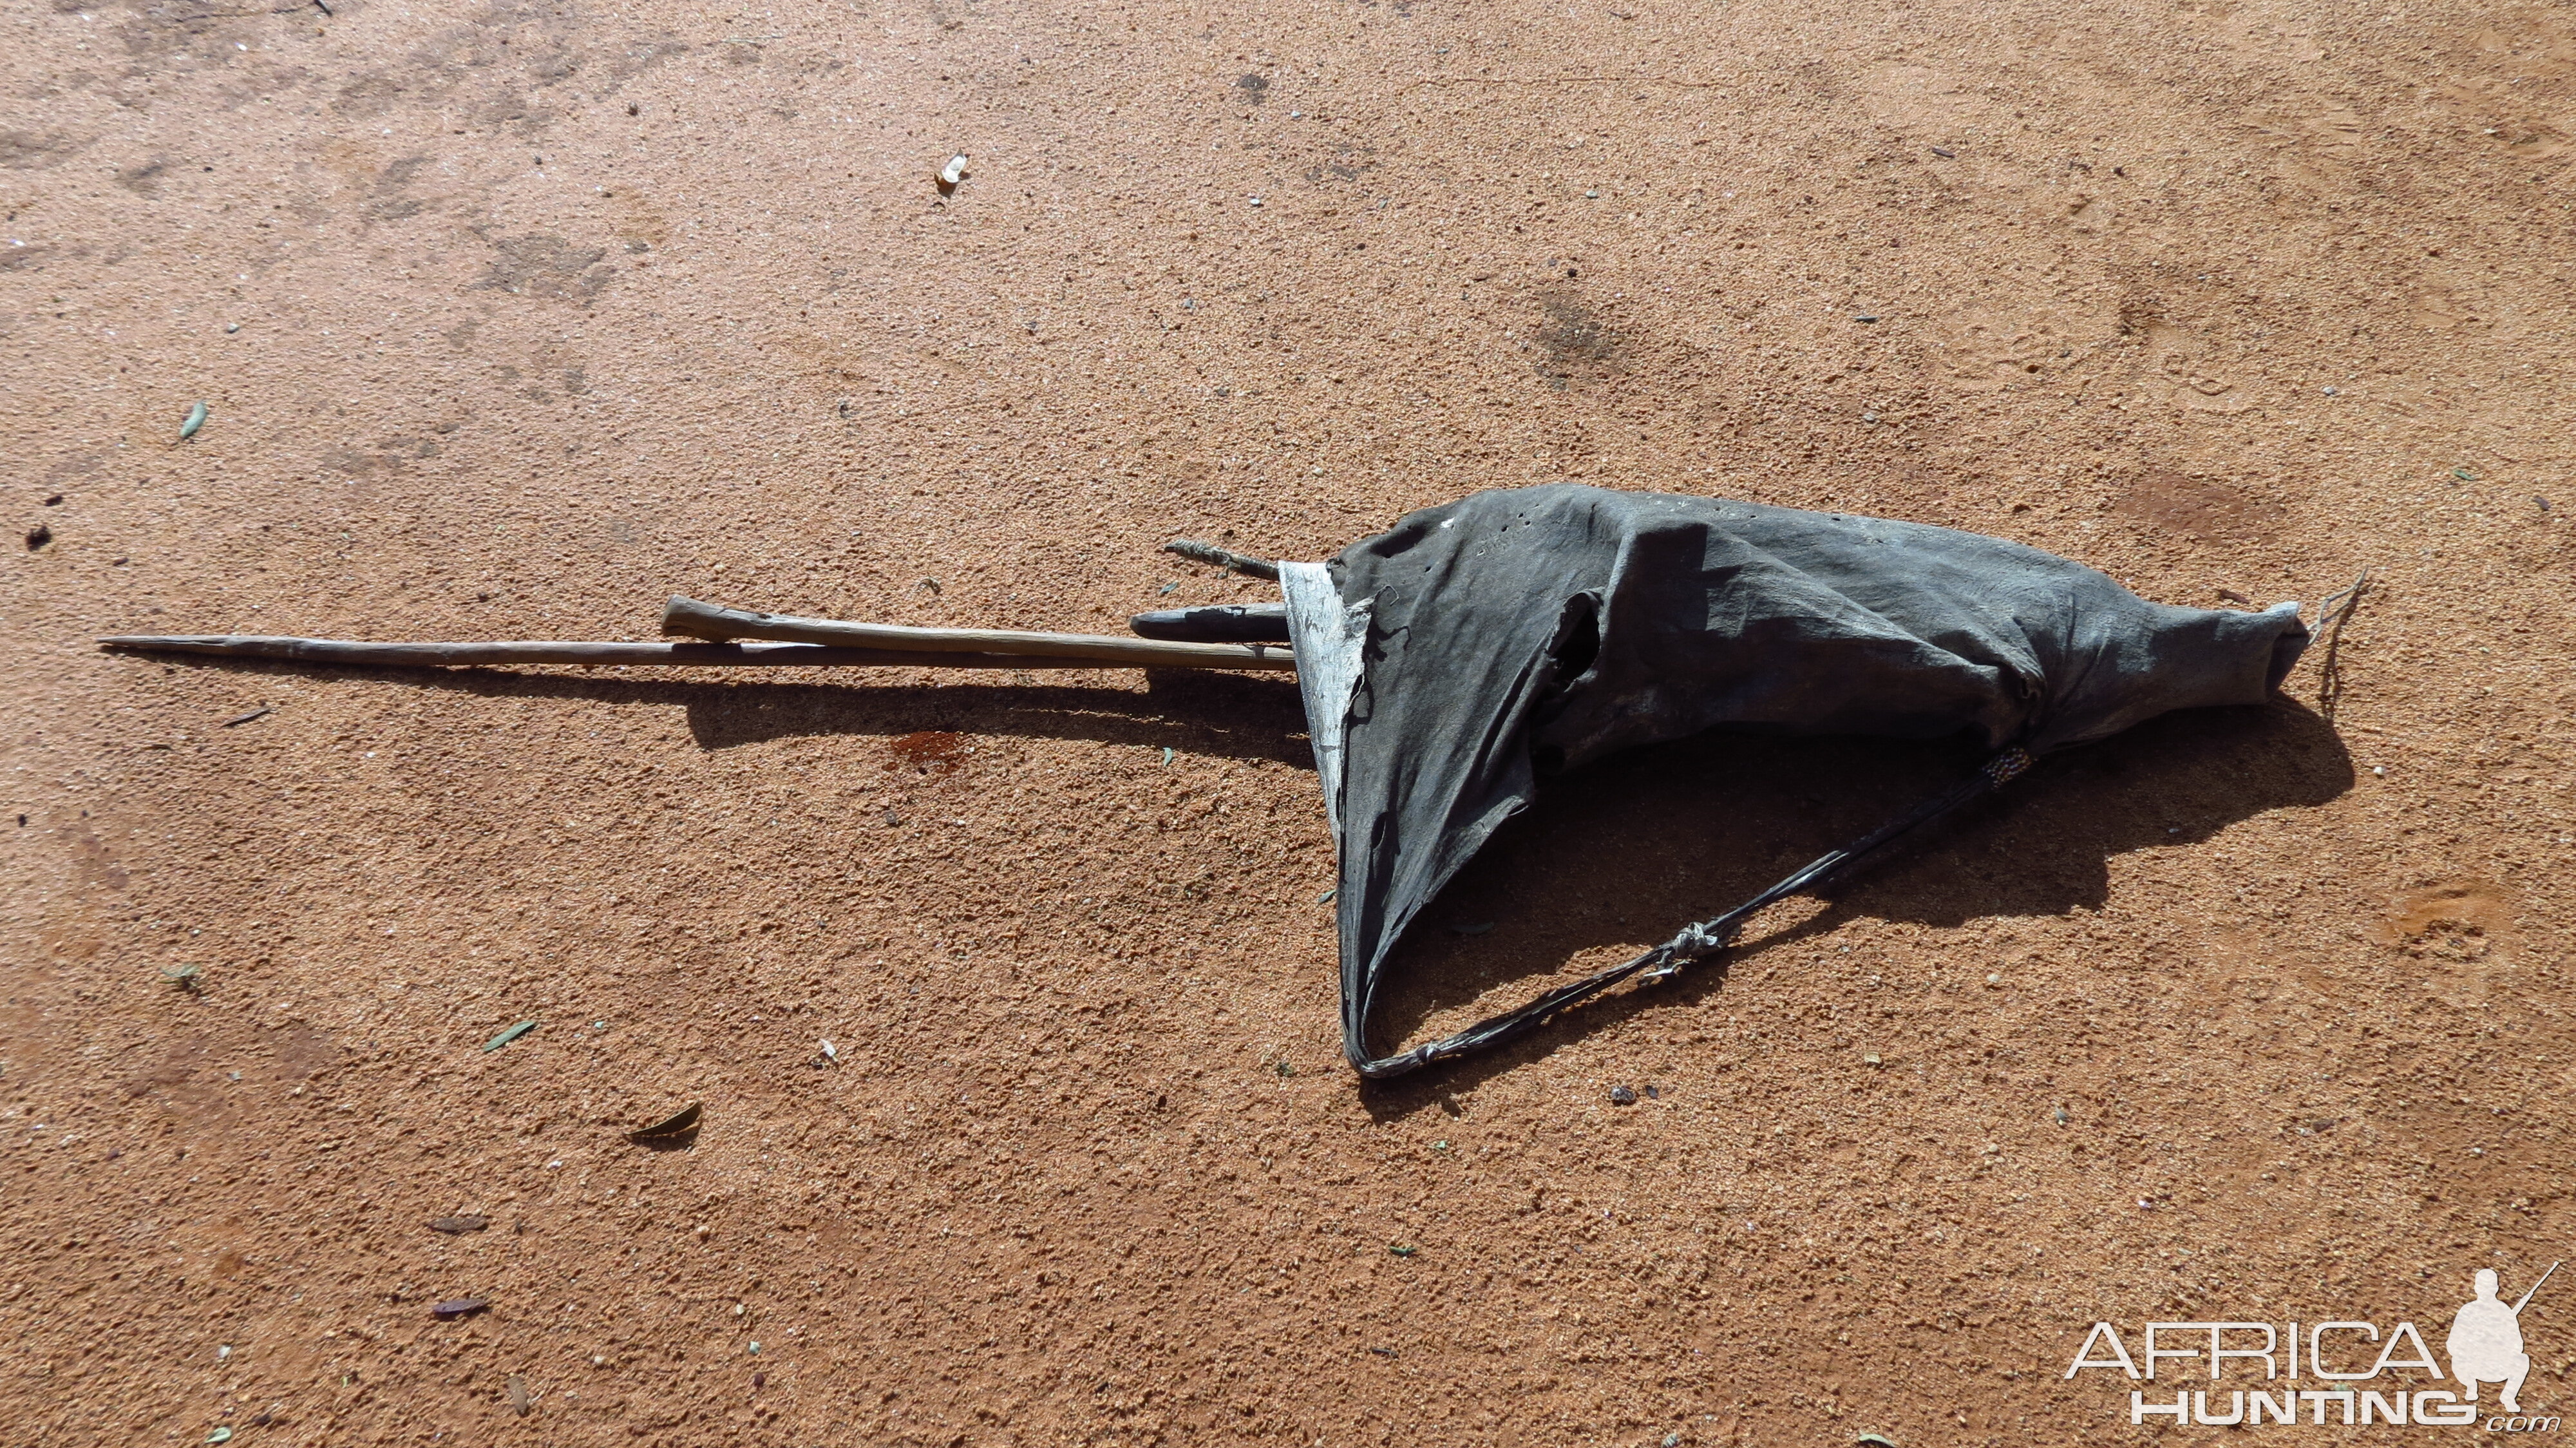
[(1620, 855)]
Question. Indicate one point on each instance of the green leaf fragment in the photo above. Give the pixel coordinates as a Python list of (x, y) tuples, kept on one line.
[(512, 1034), (196, 419)]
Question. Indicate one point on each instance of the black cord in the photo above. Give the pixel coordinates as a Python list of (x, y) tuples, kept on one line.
[(1707, 938)]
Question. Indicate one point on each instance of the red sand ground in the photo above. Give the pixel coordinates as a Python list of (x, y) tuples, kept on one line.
[(547, 310)]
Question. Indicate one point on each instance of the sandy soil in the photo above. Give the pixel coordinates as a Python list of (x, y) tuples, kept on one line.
[(544, 311)]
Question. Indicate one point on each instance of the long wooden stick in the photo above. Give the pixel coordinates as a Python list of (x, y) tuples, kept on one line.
[(714, 621), (546, 651)]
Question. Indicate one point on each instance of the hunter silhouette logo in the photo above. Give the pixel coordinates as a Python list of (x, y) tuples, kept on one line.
[(2486, 1341), (2361, 1375)]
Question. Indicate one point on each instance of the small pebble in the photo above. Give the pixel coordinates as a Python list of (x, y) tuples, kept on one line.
[(1622, 1096), (231, 327)]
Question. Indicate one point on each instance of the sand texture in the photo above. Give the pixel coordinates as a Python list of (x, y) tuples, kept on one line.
[(511, 320)]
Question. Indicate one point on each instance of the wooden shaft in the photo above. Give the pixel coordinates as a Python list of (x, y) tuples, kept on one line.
[(713, 621), (541, 651)]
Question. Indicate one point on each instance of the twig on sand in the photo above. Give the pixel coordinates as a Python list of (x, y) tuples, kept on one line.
[(2332, 614), (1215, 557)]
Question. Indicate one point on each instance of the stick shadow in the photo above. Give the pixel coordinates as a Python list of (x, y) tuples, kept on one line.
[(1196, 712), (1626, 852)]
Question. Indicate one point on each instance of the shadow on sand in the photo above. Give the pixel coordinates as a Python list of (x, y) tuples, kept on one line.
[(1624, 852), (1234, 716), (1630, 850)]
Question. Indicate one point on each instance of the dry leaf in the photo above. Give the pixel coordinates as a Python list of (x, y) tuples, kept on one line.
[(669, 1129)]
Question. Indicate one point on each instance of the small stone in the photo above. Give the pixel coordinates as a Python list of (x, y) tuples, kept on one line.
[(1622, 1096), (231, 327)]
